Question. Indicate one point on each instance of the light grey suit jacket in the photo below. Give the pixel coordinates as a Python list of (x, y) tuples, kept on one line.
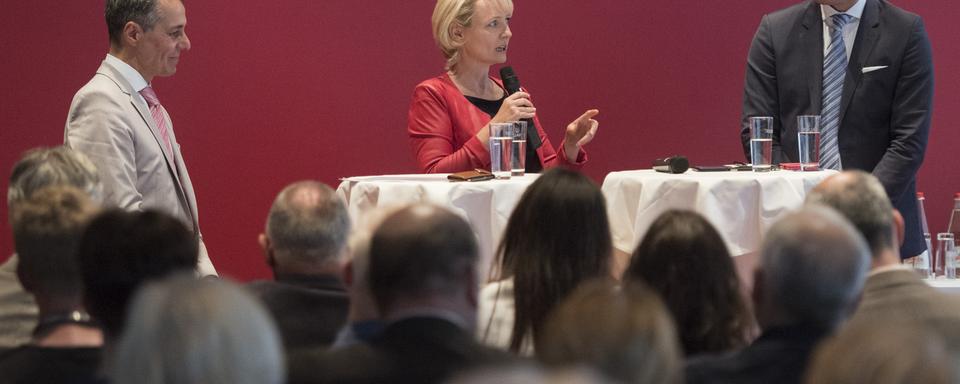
[(114, 127), (901, 295)]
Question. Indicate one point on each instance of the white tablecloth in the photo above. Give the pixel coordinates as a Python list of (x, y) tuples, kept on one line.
[(741, 205), (486, 205)]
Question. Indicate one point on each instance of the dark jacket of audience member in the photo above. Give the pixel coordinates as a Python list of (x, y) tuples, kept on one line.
[(65, 346), (684, 259), (423, 278), (305, 244), (557, 237), (813, 264), (624, 333), (881, 352)]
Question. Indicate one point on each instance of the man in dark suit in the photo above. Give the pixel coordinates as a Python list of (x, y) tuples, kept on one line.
[(893, 292), (423, 277), (305, 245), (803, 290), (874, 92)]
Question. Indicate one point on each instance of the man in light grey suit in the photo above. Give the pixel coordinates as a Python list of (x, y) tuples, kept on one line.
[(117, 120), (893, 292), (874, 91)]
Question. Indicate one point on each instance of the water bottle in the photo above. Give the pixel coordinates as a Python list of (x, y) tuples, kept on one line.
[(921, 263)]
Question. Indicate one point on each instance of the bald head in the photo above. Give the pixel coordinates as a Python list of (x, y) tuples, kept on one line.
[(307, 225), (862, 200), (421, 252), (813, 266)]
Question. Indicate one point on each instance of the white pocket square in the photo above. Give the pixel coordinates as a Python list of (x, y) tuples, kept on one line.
[(871, 69)]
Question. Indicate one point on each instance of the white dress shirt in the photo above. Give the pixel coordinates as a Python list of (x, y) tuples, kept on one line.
[(849, 30)]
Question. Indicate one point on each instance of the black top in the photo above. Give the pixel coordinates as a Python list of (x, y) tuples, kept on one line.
[(420, 350), (308, 310), (779, 355), (38, 365), (491, 107)]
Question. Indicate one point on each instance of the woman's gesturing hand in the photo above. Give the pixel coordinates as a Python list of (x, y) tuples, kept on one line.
[(580, 132)]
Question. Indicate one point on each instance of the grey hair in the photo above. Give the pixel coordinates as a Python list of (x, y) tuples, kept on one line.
[(184, 330), (863, 201), (814, 265), (119, 12), (45, 167), (308, 222)]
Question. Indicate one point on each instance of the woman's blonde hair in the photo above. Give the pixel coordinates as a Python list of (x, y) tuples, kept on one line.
[(448, 13)]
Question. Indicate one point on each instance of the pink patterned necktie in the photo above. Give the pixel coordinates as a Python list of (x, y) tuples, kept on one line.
[(157, 111)]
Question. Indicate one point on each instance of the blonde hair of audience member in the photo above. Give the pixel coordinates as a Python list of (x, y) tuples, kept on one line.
[(188, 331), (624, 333), (43, 167), (450, 13), (881, 352)]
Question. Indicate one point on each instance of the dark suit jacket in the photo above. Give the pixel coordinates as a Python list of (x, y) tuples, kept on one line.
[(780, 356), (901, 295), (420, 350), (884, 114), (308, 310)]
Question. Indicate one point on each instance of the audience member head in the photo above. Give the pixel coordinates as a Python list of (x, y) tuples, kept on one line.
[(190, 331), (812, 268), (46, 230), (625, 333), (528, 374), (449, 19), (45, 167), (424, 256), (149, 35), (860, 198), (557, 236), (119, 251), (682, 247), (881, 352), (355, 274), (307, 230)]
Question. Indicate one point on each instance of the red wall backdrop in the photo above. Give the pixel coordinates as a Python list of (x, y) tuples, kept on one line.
[(273, 92)]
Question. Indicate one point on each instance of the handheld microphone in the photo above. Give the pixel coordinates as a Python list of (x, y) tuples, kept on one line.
[(672, 164), (512, 84)]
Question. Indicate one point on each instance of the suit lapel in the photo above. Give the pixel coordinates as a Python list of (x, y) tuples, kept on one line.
[(811, 42), (144, 110), (867, 36)]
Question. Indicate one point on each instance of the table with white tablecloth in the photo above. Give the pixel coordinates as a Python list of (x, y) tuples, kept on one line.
[(741, 205), (486, 205)]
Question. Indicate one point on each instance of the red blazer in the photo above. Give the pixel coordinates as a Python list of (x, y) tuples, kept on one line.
[(443, 124)]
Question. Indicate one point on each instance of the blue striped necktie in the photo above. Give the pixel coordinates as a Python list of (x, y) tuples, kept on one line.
[(834, 69)]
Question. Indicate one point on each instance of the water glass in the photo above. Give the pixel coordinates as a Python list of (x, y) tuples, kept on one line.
[(761, 143), (808, 141), (518, 150), (501, 138), (947, 255)]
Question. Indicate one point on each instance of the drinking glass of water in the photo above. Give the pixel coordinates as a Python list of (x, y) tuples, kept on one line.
[(518, 150), (501, 138), (947, 255), (808, 140), (761, 142)]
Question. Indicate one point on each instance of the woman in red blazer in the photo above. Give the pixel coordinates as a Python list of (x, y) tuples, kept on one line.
[(449, 115)]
